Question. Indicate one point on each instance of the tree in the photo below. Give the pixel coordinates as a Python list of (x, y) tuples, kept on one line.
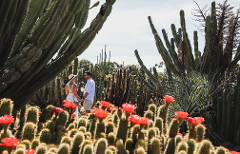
[(133, 69), (32, 32)]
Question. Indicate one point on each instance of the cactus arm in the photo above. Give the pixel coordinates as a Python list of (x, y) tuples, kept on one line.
[(47, 55), (219, 114), (224, 113), (81, 17), (228, 122), (185, 38), (74, 34), (42, 22), (32, 15), (207, 50), (214, 40), (35, 68), (172, 52), (8, 34), (237, 111), (236, 57), (162, 50), (76, 49), (156, 81), (152, 88), (230, 42), (4, 13), (176, 36), (196, 52)]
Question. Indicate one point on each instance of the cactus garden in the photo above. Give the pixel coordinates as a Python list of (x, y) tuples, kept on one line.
[(191, 107), (108, 130)]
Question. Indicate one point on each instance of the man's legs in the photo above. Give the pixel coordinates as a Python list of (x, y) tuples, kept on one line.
[(87, 104)]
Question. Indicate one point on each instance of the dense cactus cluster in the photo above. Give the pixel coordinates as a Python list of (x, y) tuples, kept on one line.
[(108, 130), (228, 109), (118, 87)]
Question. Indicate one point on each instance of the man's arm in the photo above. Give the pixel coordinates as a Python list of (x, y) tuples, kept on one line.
[(86, 94)]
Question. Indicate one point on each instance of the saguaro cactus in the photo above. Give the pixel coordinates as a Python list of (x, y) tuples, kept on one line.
[(40, 29)]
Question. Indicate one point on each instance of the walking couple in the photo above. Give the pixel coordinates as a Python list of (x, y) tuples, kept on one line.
[(88, 94)]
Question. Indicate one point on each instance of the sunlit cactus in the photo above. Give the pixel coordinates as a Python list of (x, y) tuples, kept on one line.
[(101, 146), (6, 106), (205, 147), (63, 149), (41, 149), (27, 143), (84, 144), (141, 135), (29, 131), (32, 114), (62, 118), (45, 136), (77, 141), (35, 144), (155, 146), (82, 122)]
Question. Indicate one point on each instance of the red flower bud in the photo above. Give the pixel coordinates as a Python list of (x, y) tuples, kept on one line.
[(6, 119), (105, 104), (128, 108), (57, 110), (9, 142), (195, 121), (181, 115), (101, 113), (168, 99)]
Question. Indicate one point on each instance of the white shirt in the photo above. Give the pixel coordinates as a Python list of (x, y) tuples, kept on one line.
[(90, 88)]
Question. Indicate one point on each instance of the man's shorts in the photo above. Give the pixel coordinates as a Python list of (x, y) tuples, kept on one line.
[(87, 104)]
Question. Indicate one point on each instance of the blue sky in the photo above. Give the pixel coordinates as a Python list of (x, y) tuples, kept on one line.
[(127, 28)]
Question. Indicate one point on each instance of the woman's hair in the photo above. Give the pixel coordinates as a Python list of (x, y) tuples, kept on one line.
[(72, 81)]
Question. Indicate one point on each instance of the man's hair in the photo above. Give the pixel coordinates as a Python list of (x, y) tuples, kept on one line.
[(88, 72)]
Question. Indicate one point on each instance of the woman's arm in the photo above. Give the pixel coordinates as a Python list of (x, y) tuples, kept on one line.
[(66, 90), (75, 92)]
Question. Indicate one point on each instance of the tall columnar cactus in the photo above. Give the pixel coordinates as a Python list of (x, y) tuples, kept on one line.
[(117, 91), (39, 30), (181, 60), (227, 110)]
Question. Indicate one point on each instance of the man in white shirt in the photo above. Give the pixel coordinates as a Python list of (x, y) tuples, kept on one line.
[(89, 92)]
